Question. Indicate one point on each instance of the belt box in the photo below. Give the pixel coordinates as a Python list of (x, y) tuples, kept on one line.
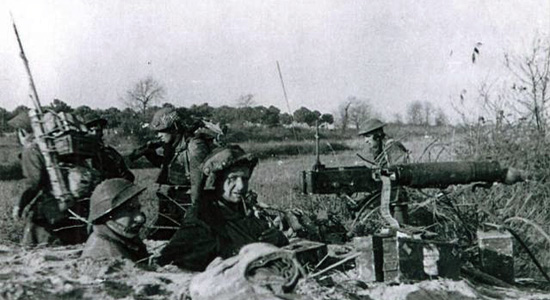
[(399, 259), (496, 251)]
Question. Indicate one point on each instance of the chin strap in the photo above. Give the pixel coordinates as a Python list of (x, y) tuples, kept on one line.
[(120, 229)]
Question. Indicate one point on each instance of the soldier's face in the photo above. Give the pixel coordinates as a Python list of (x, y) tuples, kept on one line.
[(166, 137), (128, 220), (235, 185), (371, 141)]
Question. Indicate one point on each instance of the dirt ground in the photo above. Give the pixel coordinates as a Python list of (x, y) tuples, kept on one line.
[(59, 273)]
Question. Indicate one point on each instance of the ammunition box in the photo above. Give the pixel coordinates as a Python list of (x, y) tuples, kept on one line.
[(364, 263), (76, 144), (496, 252), (308, 253), (399, 259)]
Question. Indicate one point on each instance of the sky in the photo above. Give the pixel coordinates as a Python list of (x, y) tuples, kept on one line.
[(388, 52)]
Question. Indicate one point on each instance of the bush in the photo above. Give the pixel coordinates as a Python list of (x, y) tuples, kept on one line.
[(523, 207)]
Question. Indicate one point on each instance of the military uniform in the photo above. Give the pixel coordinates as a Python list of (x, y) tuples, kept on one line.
[(180, 179), (45, 224), (110, 202), (390, 152), (226, 230), (104, 243), (216, 227)]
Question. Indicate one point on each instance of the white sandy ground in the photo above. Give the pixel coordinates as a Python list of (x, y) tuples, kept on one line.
[(59, 273)]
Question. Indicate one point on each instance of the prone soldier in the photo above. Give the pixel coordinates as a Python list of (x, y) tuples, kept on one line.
[(116, 219), (223, 220)]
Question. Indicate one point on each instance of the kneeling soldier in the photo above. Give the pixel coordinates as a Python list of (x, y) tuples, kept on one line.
[(116, 218)]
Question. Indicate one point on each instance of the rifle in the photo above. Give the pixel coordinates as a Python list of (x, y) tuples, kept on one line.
[(46, 145)]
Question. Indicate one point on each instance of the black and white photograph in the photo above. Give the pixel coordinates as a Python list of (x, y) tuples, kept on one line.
[(274, 149)]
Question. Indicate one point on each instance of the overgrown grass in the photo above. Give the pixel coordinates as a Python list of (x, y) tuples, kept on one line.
[(277, 180)]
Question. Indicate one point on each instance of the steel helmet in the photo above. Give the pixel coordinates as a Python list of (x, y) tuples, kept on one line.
[(370, 126), (111, 194), (223, 158), (164, 119)]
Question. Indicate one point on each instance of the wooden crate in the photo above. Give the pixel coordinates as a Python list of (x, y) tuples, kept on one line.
[(76, 144)]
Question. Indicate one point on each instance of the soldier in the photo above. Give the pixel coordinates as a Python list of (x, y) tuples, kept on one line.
[(223, 221), (107, 161), (46, 221), (384, 152), (116, 219), (180, 166)]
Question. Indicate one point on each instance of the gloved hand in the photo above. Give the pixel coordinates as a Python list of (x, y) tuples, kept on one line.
[(273, 236)]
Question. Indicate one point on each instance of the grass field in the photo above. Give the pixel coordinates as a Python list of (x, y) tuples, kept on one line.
[(277, 180)]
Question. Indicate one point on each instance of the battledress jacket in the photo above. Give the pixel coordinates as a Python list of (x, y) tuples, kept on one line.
[(36, 187), (393, 153), (222, 231), (181, 162), (36, 191), (104, 243)]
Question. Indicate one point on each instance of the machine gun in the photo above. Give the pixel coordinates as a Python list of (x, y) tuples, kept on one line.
[(353, 179), (347, 180)]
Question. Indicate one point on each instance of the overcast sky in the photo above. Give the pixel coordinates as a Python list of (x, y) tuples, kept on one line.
[(88, 52)]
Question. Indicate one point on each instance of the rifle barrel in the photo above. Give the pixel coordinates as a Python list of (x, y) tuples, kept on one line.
[(34, 95)]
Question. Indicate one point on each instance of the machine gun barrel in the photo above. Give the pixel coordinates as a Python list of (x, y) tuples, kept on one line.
[(417, 175), (442, 174)]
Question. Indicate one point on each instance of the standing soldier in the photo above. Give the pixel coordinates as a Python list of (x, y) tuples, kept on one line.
[(179, 167), (384, 152), (50, 220), (117, 219), (107, 161)]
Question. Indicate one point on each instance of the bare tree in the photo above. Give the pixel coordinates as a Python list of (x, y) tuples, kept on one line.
[(343, 112), (428, 110), (144, 93), (414, 113), (441, 118), (532, 75), (360, 110)]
